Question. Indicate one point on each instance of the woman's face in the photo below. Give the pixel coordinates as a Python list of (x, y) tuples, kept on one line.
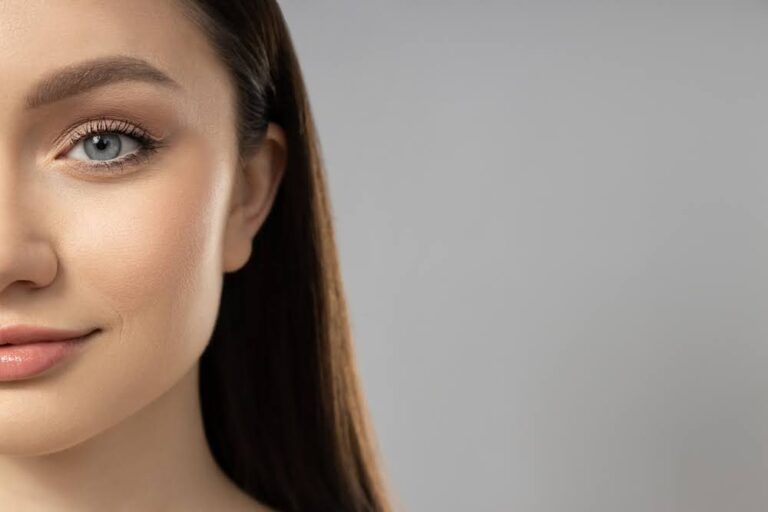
[(138, 251)]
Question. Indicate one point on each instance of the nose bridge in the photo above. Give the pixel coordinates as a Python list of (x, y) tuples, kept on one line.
[(23, 252), (12, 206)]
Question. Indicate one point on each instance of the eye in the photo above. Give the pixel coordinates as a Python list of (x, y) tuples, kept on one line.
[(103, 146), (107, 143)]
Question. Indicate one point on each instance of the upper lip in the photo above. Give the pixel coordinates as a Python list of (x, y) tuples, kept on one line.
[(18, 334)]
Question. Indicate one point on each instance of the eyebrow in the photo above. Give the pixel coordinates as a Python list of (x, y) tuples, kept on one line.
[(81, 77)]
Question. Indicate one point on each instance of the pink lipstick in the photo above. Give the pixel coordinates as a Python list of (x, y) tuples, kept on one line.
[(27, 350)]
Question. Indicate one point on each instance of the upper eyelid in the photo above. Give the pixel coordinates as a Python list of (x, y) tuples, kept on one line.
[(92, 127), (74, 132)]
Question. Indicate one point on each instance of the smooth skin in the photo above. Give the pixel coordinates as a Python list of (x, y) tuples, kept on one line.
[(139, 253)]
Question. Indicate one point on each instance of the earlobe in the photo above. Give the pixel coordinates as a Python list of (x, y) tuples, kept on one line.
[(255, 187)]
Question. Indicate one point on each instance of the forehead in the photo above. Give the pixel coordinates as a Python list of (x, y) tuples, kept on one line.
[(38, 36)]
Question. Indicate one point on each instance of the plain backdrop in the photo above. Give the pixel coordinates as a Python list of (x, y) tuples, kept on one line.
[(553, 229)]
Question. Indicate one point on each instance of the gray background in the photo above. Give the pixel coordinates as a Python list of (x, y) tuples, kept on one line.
[(552, 221)]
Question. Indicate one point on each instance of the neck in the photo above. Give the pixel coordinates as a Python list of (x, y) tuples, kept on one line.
[(156, 459)]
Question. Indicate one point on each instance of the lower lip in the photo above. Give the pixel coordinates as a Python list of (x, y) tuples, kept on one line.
[(29, 359)]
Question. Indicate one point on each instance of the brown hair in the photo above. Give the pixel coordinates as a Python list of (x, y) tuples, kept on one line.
[(282, 405)]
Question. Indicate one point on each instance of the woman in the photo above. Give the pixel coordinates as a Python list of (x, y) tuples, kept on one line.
[(163, 208)]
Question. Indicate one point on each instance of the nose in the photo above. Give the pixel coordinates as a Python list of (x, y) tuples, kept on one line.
[(27, 259)]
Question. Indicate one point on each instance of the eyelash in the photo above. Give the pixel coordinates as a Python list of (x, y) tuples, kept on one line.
[(148, 145)]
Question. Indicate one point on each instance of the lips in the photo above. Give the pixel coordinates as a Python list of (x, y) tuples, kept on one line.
[(19, 334), (29, 351)]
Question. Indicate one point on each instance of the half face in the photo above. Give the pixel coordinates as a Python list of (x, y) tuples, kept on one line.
[(115, 204)]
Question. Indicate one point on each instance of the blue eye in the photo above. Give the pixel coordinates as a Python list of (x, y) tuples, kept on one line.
[(105, 146), (107, 143)]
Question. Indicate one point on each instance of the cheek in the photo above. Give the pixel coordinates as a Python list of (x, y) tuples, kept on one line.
[(152, 248), (152, 253)]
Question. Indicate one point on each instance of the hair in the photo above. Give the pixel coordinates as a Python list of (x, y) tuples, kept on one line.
[(283, 410)]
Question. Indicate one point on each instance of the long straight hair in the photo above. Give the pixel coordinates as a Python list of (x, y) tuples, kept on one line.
[(282, 405)]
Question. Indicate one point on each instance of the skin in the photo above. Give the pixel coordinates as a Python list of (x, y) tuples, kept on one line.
[(140, 255)]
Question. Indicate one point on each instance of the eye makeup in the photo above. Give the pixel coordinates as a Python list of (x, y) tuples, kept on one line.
[(148, 144)]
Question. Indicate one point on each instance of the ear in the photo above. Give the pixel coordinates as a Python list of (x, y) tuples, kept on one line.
[(254, 188)]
